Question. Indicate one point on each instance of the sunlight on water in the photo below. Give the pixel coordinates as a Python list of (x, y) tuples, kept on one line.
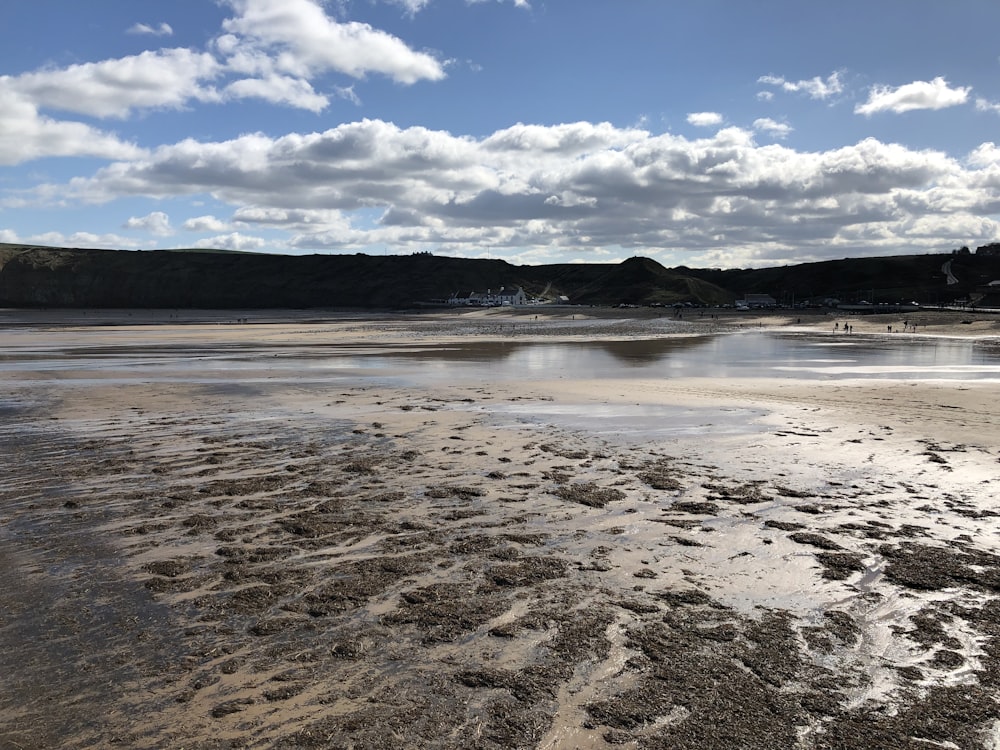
[(745, 355)]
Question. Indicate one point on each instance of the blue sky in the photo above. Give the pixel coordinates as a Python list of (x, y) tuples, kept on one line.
[(712, 133)]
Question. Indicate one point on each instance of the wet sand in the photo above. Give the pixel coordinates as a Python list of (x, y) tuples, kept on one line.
[(223, 558)]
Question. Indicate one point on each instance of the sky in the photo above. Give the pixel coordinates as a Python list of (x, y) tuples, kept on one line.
[(705, 133)]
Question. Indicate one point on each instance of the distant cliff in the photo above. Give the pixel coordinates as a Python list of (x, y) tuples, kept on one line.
[(32, 276), (58, 277)]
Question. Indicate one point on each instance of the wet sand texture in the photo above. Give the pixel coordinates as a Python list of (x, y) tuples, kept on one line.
[(233, 561)]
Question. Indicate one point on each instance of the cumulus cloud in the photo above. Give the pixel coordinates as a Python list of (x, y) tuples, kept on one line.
[(205, 224), (26, 134), (704, 119), (291, 219), (269, 50), (272, 49), (113, 88), (306, 41), (295, 92), (232, 241), (162, 29), (157, 223), (772, 127), (936, 94), (814, 88), (575, 187)]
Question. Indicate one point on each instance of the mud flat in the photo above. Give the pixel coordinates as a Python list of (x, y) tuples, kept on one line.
[(208, 551)]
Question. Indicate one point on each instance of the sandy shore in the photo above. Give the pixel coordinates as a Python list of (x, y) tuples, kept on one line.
[(220, 557)]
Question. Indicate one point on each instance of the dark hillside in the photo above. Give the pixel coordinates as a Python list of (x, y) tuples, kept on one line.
[(58, 277), (54, 277), (636, 281), (886, 279), (108, 278)]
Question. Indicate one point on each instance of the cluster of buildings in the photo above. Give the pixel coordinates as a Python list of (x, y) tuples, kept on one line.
[(501, 298)]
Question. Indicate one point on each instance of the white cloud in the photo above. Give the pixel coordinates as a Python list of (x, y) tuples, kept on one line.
[(232, 241), (936, 94), (983, 105), (573, 188), (305, 41), (348, 93), (772, 127), (985, 155), (25, 134), (162, 29), (704, 119), (277, 89), (157, 223), (74, 239), (205, 224), (814, 88), (113, 88), (273, 49), (517, 3), (293, 219), (411, 6)]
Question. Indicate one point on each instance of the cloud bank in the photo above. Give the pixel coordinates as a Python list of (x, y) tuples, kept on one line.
[(578, 187)]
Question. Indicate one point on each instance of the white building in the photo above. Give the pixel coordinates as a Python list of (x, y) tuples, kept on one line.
[(499, 298)]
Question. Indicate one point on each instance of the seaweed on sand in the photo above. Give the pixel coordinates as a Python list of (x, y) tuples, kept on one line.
[(839, 566), (590, 494), (693, 696), (660, 475), (927, 567), (445, 611), (356, 582)]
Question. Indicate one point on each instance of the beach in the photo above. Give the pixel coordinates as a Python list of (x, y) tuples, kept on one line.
[(232, 530)]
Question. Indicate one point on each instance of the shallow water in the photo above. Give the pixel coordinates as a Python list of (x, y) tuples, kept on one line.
[(745, 355), (629, 424)]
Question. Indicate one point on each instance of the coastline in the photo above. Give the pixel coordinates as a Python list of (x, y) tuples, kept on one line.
[(244, 563)]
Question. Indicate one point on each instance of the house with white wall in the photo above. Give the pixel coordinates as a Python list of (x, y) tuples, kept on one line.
[(503, 297)]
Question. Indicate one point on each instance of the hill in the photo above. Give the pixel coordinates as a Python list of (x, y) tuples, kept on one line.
[(62, 277), (898, 278), (33, 276)]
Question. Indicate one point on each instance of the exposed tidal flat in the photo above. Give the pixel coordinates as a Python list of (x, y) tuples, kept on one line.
[(553, 528)]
